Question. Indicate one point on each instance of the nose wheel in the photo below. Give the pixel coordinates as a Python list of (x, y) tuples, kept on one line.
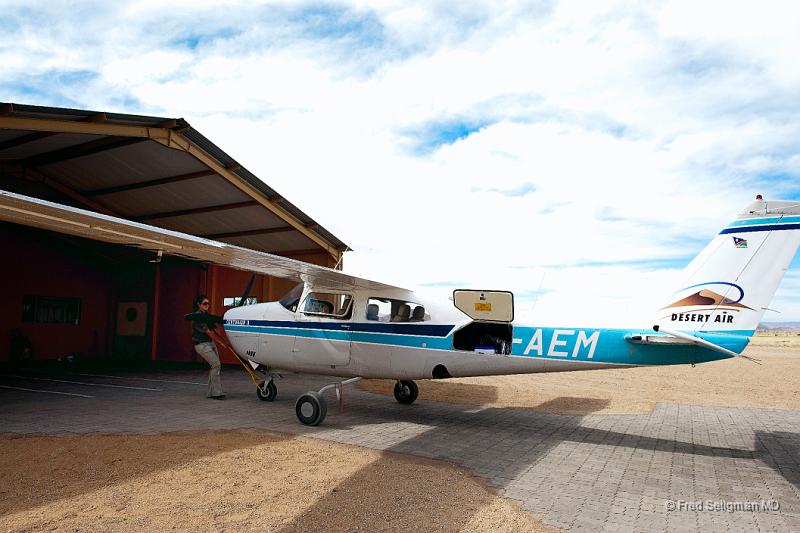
[(406, 391), (267, 392)]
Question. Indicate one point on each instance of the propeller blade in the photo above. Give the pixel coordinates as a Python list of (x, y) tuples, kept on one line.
[(243, 299)]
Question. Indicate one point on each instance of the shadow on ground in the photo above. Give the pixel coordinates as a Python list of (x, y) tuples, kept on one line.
[(503, 445), (38, 470)]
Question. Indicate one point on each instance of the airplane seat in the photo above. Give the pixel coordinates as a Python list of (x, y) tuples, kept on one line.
[(326, 307), (372, 312), (403, 313), (419, 314)]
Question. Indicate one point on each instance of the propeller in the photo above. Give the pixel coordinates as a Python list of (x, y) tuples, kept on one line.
[(243, 299), (211, 320)]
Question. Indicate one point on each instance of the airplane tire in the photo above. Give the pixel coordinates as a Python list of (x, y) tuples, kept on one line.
[(406, 391), (311, 409), (269, 394)]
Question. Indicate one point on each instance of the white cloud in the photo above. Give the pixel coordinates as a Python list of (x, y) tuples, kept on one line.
[(640, 130)]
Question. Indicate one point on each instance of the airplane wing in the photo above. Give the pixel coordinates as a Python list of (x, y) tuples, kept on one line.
[(50, 216)]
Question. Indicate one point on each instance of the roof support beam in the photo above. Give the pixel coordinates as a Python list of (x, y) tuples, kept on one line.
[(198, 210), (151, 183), (249, 233), (71, 152), (73, 126), (167, 137), (336, 264), (35, 175), (25, 139), (178, 142), (291, 253)]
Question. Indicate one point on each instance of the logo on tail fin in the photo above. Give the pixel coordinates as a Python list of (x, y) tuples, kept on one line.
[(709, 298)]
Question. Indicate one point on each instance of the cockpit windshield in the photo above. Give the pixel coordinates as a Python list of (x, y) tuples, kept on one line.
[(292, 298)]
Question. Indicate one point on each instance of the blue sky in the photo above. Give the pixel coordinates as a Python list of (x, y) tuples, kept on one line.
[(569, 151)]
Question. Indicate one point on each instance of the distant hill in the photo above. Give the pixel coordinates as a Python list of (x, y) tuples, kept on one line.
[(779, 325)]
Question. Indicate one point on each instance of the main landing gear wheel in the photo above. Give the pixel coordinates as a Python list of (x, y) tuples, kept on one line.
[(311, 408), (406, 391), (267, 393)]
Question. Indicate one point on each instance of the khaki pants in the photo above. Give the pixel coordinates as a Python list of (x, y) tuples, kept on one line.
[(208, 351)]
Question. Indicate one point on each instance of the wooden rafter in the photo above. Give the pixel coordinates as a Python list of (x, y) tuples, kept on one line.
[(150, 183), (80, 150), (249, 233), (292, 253), (39, 176), (178, 142), (25, 139), (195, 211)]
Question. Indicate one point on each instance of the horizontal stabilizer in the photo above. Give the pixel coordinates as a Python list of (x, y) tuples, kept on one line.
[(702, 342)]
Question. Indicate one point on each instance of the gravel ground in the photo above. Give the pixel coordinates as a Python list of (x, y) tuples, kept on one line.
[(733, 383), (261, 481), (237, 481)]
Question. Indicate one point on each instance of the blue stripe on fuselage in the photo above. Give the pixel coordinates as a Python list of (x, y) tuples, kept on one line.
[(566, 344), (610, 346), (395, 328)]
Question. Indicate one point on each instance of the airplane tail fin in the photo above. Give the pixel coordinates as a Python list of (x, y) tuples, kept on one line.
[(729, 285)]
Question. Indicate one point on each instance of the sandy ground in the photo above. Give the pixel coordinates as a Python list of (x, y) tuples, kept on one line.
[(736, 382), (237, 481), (258, 481)]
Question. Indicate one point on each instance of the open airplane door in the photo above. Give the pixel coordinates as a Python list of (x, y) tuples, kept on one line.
[(487, 306), (492, 313)]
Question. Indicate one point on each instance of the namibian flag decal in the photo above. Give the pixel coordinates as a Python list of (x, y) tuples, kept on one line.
[(739, 243)]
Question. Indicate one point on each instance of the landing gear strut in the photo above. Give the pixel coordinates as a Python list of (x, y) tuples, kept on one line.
[(406, 391), (311, 407)]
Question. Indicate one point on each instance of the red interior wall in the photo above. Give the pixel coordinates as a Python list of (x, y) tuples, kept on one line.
[(31, 268), (180, 283), (34, 265)]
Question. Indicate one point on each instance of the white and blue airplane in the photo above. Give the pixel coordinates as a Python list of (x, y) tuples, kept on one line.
[(340, 325)]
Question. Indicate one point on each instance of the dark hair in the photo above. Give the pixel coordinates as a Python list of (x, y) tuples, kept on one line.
[(198, 301)]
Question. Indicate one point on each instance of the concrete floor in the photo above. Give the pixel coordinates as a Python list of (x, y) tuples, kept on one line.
[(583, 473)]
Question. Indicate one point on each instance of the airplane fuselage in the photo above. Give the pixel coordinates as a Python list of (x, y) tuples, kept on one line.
[(279, 338)]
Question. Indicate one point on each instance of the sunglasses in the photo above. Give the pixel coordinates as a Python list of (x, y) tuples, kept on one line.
[(204, 303)]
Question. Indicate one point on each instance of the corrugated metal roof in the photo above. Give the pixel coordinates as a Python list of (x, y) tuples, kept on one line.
[(65, 113), (135, 176)]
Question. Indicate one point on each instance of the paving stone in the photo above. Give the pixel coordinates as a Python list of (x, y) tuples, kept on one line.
[(583, 473)]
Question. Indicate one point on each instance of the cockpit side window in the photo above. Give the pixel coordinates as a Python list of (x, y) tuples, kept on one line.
[(328, 304), (391, 310), (292, 298)]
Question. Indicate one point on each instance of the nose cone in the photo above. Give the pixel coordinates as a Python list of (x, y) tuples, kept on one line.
[(236, 313)]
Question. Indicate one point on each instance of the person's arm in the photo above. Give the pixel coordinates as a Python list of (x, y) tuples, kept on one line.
[(217, 337)]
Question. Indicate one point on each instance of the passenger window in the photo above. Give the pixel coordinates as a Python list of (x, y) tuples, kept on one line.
[(390, 310), (329, 304)]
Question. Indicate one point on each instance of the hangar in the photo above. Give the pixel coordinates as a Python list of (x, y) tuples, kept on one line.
[(67, 295)]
